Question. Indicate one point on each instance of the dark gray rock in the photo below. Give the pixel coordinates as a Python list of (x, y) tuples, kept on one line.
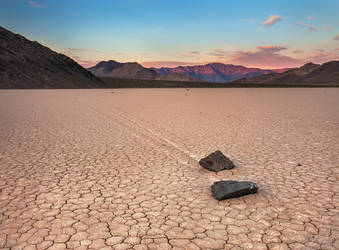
[(216, 161), (222, 190)]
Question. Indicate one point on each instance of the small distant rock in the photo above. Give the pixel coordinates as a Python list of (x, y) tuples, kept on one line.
[(216, 162), (222, 190), (299, 164)]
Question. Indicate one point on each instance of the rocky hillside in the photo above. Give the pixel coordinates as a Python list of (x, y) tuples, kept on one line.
[(28, 64), (133, 70), (216, 72), (309, 73)]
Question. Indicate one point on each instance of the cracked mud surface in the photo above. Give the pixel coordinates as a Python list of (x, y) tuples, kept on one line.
[(92, 169)]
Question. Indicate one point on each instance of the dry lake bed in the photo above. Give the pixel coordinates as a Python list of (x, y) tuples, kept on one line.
[(117, 169)]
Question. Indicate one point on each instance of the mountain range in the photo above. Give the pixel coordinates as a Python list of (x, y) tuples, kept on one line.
[(217, 72), (212, 72), (310, 73), (28, 64), (133, 70)]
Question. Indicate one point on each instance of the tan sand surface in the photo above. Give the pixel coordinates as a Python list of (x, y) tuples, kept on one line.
[(117, 169)]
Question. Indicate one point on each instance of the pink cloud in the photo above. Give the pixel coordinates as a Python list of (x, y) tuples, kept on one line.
[(272, 20), (35, 4), (323, 56), (336, 38), (264, 57)]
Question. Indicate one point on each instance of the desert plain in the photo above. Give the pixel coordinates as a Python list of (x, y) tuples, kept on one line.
[(118, 168)]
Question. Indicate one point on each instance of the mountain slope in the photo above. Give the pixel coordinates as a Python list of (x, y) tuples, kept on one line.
[(308, 73), (28, 64), (133, 70), (122, 70), (215, 72), (326, 73)]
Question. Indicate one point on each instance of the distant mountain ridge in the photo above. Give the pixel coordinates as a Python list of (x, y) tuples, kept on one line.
[(217, 72), (309, 73), (133, 70), (28, 64)]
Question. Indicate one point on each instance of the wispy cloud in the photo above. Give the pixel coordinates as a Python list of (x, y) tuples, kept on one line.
[(250, 20), (321, 57), (35, 4), (264, 56), (272, 20), (297, 51), (320, 50), (336, 38), (313, 27), (219, 53), (82, 50), (193, 52), (84, 57), (310, 18)]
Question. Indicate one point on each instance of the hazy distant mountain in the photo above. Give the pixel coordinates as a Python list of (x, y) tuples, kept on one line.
[(28, 64), (133, 70), (308, 73), (216, 72)]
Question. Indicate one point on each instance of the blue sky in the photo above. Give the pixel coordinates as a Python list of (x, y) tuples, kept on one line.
[(267, 34)]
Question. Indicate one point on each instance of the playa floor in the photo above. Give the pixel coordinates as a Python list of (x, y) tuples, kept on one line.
[(117, 169)]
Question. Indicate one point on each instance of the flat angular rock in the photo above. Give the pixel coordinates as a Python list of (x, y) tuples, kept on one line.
[(222, 190), (216, 161)]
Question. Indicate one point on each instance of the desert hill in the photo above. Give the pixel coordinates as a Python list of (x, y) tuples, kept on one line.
[(133, 70), (28, 64), (309, 73)]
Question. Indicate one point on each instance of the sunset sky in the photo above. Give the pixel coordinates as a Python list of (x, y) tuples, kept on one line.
[(266, 34)]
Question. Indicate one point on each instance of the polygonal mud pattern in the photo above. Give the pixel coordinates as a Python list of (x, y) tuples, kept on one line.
[(85, 169)]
